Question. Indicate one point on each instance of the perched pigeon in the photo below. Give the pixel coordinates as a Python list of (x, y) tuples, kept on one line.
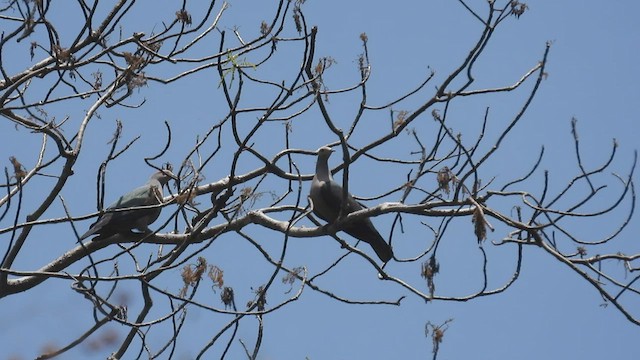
[(122, 222), (326, 195)]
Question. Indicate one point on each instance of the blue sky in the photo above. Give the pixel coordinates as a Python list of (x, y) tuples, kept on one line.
[(548, 313)]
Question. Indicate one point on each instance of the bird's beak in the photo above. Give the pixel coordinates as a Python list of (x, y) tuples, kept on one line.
[(170, 174), (325, 149)]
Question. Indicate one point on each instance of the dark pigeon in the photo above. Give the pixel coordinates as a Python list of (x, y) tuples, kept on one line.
[(326, 195), (122, 222)]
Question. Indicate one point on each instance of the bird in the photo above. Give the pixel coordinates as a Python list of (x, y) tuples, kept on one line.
[(122, 222), (327, 195)]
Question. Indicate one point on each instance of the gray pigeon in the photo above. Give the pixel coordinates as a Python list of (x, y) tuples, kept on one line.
[(122, 222), (326, 195)]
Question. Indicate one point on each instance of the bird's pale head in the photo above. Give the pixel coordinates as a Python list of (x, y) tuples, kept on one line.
[(325, 152), (163, 176)]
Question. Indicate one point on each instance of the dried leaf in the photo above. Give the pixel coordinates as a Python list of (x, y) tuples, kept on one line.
[(319, 67), (429, 269), (19, 172), (518, 8), (480, 224), (134, 61), (245, 194), (582, 251), (183, 16), (261, 299), (444, 178), (216, 275), (436, 115), (227, 297), (297, 19), (192, 273), (97, 83), (400, 119), (264, 28), (437, 333), (62, 54), (32, 49)]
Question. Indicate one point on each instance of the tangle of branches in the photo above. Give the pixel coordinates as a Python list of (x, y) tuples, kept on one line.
[(246, 177)]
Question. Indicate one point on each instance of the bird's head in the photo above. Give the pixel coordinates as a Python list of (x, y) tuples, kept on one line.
[(163, 176), (325, 152)]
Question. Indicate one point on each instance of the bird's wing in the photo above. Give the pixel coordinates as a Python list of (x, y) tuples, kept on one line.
[(328, 205), (331, 195), (141, 196), (112, 223), (328, 198), (327, 194)]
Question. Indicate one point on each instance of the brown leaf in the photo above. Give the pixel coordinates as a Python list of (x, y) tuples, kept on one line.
[(183, 16), (18, 170), (444, 178), (518, 8), (133, 60), (227, 297), (480, 228), (62, 54), (429, 270), (400, 119), (217, 276), (264, 28)]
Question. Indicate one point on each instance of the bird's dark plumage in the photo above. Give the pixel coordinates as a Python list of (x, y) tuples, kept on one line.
[(122, 222), (327, 195)]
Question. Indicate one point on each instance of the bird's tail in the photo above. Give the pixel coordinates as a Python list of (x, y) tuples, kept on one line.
[(382, 249), (89, 232), (366, 232)]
